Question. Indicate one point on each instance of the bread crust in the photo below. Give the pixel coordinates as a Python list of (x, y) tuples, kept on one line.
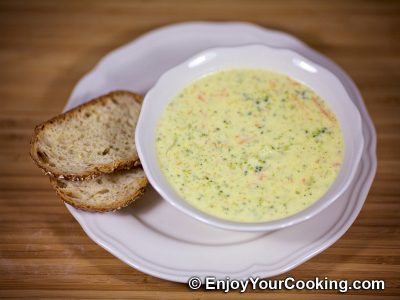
[(115, 205), (96, 170)]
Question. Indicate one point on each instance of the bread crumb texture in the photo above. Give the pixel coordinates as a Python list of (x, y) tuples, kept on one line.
[(104, 193), (96, 136)]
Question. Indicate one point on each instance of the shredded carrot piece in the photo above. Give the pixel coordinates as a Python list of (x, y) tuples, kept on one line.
[(272, 83), (294, 83), (300, 105), (322, 110), (243, 141)]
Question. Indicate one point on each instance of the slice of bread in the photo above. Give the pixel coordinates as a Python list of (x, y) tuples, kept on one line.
[(92, 139), (105, 193)]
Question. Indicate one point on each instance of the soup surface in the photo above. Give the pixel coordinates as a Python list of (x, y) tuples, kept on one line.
[(249, 145)]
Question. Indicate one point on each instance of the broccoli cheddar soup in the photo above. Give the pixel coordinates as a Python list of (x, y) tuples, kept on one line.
[(249, 145)]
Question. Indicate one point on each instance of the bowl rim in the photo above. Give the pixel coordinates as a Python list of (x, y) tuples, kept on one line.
[(264, 226)]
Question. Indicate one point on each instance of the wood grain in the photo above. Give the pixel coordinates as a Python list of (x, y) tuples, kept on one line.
[(47, 46)]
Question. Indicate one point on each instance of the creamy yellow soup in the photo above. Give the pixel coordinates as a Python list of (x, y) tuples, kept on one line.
[(249, 145)]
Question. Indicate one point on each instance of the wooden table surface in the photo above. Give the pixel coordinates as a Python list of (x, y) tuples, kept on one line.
[(47, 46)]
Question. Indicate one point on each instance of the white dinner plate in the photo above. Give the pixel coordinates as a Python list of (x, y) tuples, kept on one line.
[(153, 236)]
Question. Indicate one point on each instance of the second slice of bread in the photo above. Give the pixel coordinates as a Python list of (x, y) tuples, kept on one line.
[(104, 193), (92, 139)]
